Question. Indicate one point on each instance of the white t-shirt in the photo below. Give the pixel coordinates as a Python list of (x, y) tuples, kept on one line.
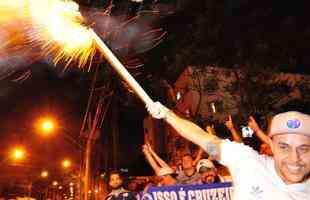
[(184, 179), (254, 176)]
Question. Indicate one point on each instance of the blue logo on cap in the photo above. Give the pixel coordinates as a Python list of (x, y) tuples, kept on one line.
[(293, 123)]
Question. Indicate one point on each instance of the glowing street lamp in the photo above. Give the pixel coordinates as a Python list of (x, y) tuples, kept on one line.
[(44, 174), (46, 126), (18, 153), (66, 163), (55, 183)]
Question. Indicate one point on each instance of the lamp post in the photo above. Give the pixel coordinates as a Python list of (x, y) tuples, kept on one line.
[(17, 155), (47, 127)]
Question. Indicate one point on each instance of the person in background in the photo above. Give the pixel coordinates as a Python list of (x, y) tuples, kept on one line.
[(208, 172), (132, 185), (264, 147), (188, 173), (115, 184)]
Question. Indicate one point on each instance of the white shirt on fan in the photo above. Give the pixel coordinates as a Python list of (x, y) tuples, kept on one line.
[(254, 176)]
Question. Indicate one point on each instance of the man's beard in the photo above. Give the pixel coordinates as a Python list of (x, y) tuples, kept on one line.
[(116, 187), (208, 179)]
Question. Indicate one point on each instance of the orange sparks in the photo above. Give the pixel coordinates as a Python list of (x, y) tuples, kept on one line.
[(61, 31)]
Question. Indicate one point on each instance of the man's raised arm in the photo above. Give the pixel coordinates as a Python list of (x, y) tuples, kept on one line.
[(187, 129)]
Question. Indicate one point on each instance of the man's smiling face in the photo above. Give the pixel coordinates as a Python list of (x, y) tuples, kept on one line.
[(292, 157)]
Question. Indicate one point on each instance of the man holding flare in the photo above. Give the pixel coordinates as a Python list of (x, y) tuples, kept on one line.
[(284, 176)]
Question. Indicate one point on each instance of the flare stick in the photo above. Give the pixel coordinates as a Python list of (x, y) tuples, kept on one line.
[(121, 70)]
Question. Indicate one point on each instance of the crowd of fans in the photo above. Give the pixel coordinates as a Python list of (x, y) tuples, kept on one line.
[(189, 167)]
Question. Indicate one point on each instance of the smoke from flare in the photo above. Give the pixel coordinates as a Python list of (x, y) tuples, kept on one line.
[(15, 24)]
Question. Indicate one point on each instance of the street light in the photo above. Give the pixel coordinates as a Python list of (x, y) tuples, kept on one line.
[(46, 126), (55, 183), (44, 174), (18, 153), (66, 163)]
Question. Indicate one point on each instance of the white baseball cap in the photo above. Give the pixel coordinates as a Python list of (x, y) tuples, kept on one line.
[(290, 122), (204, 163), (165, 171)]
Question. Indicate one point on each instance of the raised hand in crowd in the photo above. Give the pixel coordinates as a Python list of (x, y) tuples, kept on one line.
[(259, 133), (230, 125), (158, 159), (210, 129), (198, 156), (253, 124), (265, 146), (160, 167), (150, 159)]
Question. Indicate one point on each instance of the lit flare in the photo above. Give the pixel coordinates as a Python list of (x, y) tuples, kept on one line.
[(61, 31), (59, 28)]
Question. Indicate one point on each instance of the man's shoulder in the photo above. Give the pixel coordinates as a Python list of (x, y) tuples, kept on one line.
[(245, 155), (229, 147)]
